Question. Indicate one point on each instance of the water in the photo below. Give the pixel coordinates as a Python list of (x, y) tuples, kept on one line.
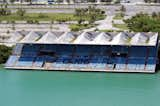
[(37, 88)]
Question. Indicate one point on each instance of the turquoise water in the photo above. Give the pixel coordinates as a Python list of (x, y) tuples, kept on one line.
[(37, 88)]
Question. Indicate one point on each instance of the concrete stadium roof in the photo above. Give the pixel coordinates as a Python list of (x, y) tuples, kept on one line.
[(49, 37), (120, 39), (67, 37), (139, 39), (32, 37), (103, 38), (89, 38), (15, 37)]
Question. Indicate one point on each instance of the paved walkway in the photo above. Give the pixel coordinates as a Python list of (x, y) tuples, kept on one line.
[(105, 24)]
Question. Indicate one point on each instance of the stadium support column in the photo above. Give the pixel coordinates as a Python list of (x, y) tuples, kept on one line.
[(98, 1), (65, 2)]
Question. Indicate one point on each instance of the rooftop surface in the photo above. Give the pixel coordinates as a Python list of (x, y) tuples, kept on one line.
[(89, 38)]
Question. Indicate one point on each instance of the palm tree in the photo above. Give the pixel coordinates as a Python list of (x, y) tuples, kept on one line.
[(80, 13)]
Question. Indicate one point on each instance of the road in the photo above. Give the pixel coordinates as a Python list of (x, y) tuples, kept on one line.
[(131, 10)]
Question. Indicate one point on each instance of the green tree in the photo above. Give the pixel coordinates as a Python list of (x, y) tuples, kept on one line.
[(93, 12), (144, 23), (4, 53), (21, 12), (154, 14), (4, 10), (80, 13)]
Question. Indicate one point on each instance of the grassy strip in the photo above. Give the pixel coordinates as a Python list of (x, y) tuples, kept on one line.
[(39, 17), (121, 26), (45, 17), (111, 30), (118, 16)]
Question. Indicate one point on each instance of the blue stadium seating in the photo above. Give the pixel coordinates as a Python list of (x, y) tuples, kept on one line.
[(136, 63), (49, 58), (151, 64), (150, 67), (101, 66), (80, 66), (94, 50), (119, 49), (120, 66), (137, 52), (87, 50), (86, 57), (60, 65), (120, 60), (151, 61), (39, 62), (30, 50), (110, 66), (140, 67), (131, 66), (25, 62), (49, 48), (62, 62), (31, 54), (64, 50), (92, 65), (98, 62), (152, 52)]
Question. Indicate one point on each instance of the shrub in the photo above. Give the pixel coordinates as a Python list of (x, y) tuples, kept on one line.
[(154, 14), (36, 22), (30, 21), (41, 15), (4, 11), (103, 12), (78, 27), (52, 22)]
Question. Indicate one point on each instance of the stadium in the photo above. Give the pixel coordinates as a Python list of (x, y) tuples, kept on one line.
[(84, 51)]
